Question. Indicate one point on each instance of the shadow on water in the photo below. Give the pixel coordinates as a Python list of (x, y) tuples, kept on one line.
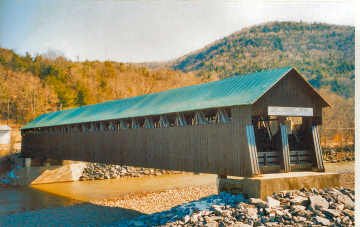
[(25, 206), (67, 203), (20, 199)]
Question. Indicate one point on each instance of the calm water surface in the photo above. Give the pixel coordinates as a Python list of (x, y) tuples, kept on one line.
[(19, 199)]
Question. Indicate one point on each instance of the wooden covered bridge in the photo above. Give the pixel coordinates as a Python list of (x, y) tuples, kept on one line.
[(241, 126)]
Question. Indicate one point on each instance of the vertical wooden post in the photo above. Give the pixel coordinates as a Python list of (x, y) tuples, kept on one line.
[(245, 158), (317, 148), (314, 139), (27, 162), (285, 161)]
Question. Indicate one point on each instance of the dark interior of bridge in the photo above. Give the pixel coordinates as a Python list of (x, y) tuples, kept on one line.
[(269, 140)]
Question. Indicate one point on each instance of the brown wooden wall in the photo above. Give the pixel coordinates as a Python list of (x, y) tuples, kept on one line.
[(290, 91), (211, 148), (222, 148)]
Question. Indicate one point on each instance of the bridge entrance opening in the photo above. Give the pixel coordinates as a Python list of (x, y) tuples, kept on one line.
[(284, 143)]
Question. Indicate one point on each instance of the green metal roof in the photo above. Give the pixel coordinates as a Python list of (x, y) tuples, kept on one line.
[(239, 90)]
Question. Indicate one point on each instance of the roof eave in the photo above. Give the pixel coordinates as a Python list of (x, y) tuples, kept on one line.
[(327, 104)]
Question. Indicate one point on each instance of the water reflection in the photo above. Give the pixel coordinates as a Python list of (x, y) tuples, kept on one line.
[(107, 189), (18, 199)]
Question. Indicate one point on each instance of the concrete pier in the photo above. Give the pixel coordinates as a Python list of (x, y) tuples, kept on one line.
[(48, 174), (32, 171), (267, 184)]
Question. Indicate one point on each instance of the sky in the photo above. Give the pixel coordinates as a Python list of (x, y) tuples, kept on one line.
[(146, 30)]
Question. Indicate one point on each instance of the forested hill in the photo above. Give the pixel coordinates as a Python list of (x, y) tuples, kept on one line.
[(322, 52), (32, 85)]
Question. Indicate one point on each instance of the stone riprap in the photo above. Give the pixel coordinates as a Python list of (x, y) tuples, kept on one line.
[(100, 171), (314, 207), (339, 154)]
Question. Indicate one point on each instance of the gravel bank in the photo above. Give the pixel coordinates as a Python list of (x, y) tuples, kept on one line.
[(159, 201), (314, 207)]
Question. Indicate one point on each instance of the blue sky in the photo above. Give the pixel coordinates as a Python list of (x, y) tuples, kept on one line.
[(146, 30)]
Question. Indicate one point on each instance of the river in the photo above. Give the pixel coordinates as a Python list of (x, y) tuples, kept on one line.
[(73, 198)]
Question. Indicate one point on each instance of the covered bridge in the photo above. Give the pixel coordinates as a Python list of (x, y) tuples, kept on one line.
[(241, 126)]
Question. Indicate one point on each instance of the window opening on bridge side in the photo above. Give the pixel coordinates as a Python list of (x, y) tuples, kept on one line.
[(102, 126), (163, 122), (172, 120), (134, 123), (199, 118), (222, 116), (124, 124), (180, 120), (107, 126), (74, 129), (188, 116), (210, 116), (112, 126), (83, 128), (92, 127), (148, 123)]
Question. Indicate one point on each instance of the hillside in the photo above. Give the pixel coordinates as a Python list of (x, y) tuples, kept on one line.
[(30, 86), (322, 52)]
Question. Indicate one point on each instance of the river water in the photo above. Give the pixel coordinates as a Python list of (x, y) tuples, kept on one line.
[(19, 199), (75, 197)]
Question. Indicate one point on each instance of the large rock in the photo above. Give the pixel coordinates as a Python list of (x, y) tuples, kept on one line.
[(318, 202), (322, 221), (300, 200), (252, 213), (332, 212), (211, 224), (258, 202), (344, 199), (240, 225), (271, 202)]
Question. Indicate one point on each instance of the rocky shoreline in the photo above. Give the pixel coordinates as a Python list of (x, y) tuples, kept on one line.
[(101, 171), (339, 154), (313, 207)]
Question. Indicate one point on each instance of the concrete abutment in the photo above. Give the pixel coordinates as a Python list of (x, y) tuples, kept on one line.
[(267, 184)]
